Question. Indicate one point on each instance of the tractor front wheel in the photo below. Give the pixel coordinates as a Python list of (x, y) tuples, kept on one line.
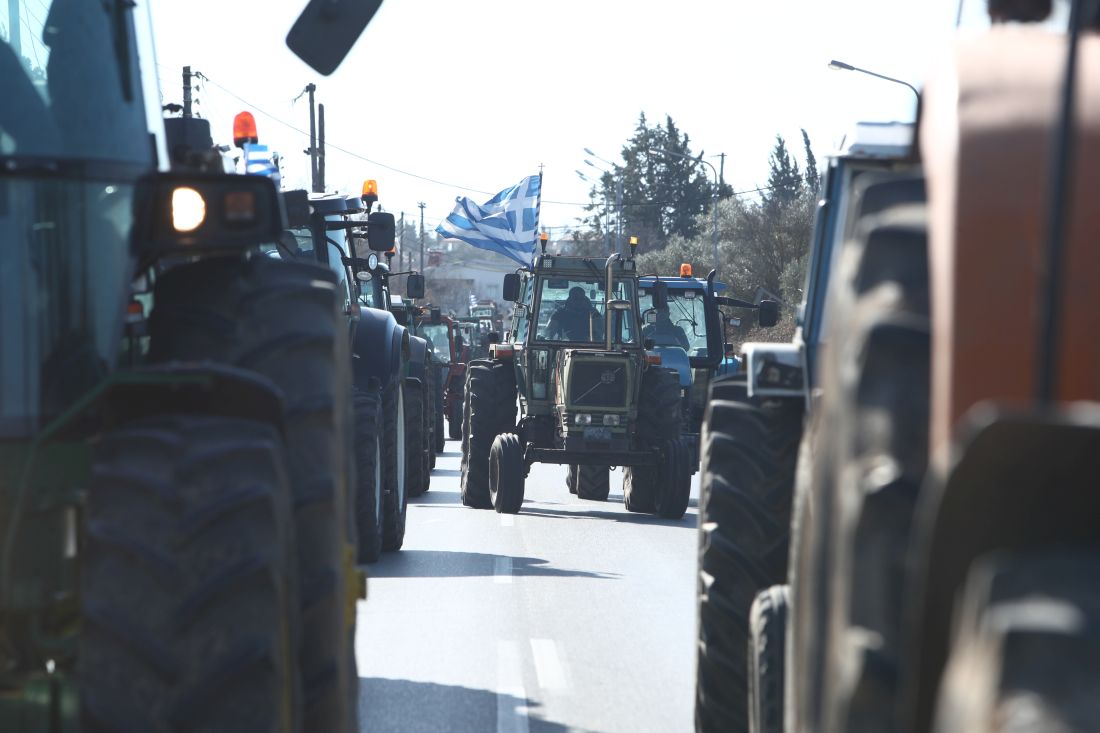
[(506, 474)]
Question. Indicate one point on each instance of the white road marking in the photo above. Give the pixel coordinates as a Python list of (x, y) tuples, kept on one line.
[(548, 665), (502, 570), (507, 520), (511, 695)]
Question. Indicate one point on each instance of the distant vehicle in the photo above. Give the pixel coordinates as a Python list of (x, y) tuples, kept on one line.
[(590, 396)]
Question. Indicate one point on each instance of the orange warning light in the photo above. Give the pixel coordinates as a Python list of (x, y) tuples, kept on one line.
[(244, 129), (685, 270)]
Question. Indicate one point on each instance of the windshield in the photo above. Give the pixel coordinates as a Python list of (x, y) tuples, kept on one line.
[(683, 324), (64, 270), (70, 85), (572, 309), (441, 342)]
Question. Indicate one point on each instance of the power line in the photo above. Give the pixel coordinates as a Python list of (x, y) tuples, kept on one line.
[(438, 182)]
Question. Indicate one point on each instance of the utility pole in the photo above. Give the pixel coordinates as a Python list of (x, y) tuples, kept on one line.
[(619, 205), (310, 89), (421, 205), (401, 243), (321, 148), (186, 91), (722, 169)]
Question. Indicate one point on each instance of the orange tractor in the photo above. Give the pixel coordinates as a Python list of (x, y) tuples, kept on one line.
[(945, 530)]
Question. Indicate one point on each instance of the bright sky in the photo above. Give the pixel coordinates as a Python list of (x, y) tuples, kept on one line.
[(479, 93)]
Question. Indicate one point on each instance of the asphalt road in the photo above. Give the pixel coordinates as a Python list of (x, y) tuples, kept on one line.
[(571, 616)]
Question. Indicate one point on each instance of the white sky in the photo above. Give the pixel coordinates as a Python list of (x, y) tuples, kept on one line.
[(478, 93)]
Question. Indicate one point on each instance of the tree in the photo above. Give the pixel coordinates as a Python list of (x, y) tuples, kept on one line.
[(662, 194), (811, 163), (785, 181)]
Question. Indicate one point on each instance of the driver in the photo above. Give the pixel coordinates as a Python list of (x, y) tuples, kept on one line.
[(666, 333), (575, 319)]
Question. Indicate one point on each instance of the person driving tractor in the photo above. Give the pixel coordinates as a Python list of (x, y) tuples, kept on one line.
[(666, 333), (575, 319)]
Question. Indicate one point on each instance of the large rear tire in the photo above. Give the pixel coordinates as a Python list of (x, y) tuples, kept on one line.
[(454, 420), (440, 436), (590, 482), (285, 321), (767, 658), (673, 491), (189, 608), (416, 471), (747, 475), (369, 426), (659, 422), (395, 466), (1026, 652), (489, 410), (877, 391)]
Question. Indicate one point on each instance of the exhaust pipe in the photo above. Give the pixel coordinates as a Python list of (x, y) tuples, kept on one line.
[(607, 299)]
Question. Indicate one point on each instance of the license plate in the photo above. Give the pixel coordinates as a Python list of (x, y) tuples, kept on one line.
[(597, 435)]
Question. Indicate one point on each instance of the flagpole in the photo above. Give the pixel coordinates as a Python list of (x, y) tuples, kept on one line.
[(538, 210)]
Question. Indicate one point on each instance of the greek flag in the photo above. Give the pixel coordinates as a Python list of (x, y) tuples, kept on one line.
[(506, 224), (473, 300), (260, 161)]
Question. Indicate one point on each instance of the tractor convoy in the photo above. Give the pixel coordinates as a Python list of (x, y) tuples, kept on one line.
[(214, 411)]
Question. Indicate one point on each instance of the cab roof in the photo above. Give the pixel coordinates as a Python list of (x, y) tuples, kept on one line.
[(877, 140), (675, 282)]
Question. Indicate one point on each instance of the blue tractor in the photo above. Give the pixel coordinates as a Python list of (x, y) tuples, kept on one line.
[(690, 337)]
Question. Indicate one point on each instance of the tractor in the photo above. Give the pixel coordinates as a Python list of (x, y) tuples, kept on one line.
[(689, 335), (945, 532), (589, 394), (176, 547), (379, 352), (419, 404), (752, 427)]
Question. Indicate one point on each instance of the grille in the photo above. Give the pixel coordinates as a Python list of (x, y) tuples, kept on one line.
[(597, 384)]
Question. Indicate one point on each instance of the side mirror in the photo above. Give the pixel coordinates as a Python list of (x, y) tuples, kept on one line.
[(381, 231), (327, 29), (414, 286), (728, 349), (769, 313), (650, 317), (511, 287), (436, 316), (660, 295), (649, 344), (192, 213)]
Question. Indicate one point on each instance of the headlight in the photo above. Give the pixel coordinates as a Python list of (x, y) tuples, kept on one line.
[(188, 209), (583, 419), (612, 420)]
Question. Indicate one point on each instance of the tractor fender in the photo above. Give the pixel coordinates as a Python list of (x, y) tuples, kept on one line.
[(418, 358), (676, 359), (379, 349), (191, 389), (1015, 481)]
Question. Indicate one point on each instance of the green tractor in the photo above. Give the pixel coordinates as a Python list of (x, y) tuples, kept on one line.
[(589, 394), (175, 544)]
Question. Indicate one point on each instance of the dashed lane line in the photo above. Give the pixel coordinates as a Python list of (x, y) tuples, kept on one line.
[(502, 570), (511, 695), (549, 667)]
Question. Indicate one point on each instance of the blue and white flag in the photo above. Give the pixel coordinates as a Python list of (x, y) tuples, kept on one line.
[(473, 300), (260, 161), (506, 224)]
